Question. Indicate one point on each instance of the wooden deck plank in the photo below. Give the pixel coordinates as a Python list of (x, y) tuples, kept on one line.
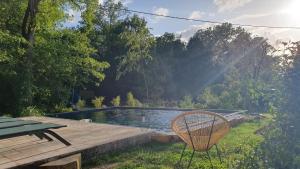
[(4, 159), (25, 150)]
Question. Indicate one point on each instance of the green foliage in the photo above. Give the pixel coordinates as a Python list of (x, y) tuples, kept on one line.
[(80, 104), (281, 146), (70, 55), (11, 54), (116, 101), (224, 66), (62, 108), (276, 149), (31, 111), (217, 96), (43, 71), (207, 99), (98, 101), (221, 66), (123, 40), (238, 151), (254, 96), (186, 102), (138, 42), (222, 55), (132, 101)]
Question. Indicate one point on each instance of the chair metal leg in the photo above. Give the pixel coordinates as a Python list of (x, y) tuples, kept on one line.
[(209, 159), (182, 153), (191, 159), (219, 153)]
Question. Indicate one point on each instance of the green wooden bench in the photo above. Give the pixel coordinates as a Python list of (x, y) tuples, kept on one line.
[(13, 127)]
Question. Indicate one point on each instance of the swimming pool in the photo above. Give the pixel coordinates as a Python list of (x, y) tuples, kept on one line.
[(158, 119)]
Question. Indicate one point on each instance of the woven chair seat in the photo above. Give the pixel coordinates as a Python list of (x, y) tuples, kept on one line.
[(200, 130)]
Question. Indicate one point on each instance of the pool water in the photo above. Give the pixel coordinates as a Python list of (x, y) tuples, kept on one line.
[(159, 120)]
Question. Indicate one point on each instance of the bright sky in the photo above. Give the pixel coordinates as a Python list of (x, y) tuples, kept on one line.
[(257, 12)]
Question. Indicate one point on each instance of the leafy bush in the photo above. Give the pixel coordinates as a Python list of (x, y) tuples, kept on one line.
[(31, 111), (281, 145), (186, 102), (116, 101), (80, 104), (207, 99), (131, 101), (61, 108), (252, 96), (66, 109), (98, 101)]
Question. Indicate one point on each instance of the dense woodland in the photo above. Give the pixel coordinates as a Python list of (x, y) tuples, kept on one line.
[(112, 52)]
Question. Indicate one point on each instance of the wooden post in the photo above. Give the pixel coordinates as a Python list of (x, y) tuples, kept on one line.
[(71, 162)]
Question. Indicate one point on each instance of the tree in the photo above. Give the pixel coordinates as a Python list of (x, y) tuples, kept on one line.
[(124, 41), (289, 121), (167, 54), (138, 42), (281, 145), (48, 60)]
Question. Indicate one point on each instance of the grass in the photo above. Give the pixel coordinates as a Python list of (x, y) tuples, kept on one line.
[(237, 152)]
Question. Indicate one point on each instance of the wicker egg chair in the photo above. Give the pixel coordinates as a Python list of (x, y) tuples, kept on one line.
[(200, 130)]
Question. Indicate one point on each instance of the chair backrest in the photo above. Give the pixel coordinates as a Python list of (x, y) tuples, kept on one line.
[(200, 129)]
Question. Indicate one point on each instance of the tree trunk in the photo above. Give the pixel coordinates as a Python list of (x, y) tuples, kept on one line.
[(28, 32), (146, 84)]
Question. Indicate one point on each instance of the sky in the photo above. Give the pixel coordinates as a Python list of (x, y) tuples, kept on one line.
[(257, 12)]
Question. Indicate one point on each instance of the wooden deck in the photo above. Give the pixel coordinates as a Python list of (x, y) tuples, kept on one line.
[(90, 139)]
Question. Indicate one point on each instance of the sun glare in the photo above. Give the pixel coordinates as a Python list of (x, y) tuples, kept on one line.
[(293, 11)]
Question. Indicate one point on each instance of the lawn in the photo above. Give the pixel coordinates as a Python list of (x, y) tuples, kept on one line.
[(238, 151)]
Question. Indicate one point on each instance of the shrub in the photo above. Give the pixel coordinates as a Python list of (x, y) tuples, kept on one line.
[(138, 103), (98, 101), (66, 109), (61, 108), (131, 101), (31, 111), (208, 99), (186, 102), (80, 104), (116, 101)]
